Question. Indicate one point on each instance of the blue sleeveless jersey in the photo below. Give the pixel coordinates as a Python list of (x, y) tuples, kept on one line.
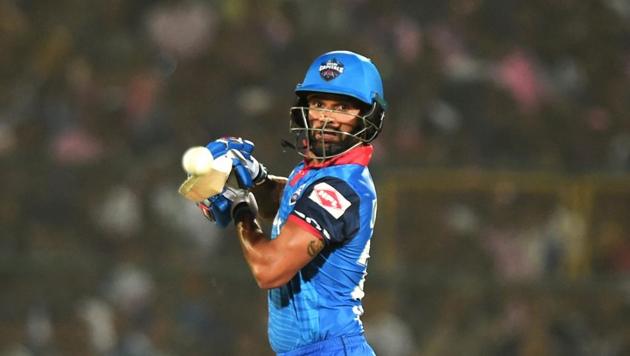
[(336, 201)]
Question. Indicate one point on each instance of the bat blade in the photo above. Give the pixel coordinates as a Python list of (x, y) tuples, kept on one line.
[(199, 187)]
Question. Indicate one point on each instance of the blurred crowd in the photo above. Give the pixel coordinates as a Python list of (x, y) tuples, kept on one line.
[(99, 255)]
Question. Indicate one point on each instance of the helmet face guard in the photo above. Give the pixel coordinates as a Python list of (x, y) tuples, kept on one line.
[(346, 74), (307, 144)]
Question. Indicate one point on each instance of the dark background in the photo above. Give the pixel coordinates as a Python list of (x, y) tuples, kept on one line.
[(502, 171)]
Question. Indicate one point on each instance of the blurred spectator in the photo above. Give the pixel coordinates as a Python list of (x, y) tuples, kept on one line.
[(99, 319), (119, 213), (195, 23)]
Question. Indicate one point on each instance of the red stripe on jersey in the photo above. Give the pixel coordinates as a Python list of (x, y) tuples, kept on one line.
[(306, 226), (299, 176), (360, 155)]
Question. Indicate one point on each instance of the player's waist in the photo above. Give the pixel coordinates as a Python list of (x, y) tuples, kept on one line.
[(288, 331), (330, 345)]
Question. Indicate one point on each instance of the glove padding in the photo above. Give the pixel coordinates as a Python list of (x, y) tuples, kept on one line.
[(222, 208), (248, 170)]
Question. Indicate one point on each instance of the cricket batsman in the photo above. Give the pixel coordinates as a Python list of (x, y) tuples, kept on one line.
[(314, 262)]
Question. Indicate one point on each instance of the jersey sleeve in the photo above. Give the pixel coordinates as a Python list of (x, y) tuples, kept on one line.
[(329, 208)]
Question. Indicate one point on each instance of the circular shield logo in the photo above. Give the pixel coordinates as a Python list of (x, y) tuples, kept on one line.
[(331, 69)]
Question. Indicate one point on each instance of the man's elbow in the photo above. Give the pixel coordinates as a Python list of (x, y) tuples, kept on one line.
[(267, 280)]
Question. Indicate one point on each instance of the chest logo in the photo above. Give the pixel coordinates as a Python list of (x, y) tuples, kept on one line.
[(330, 199)]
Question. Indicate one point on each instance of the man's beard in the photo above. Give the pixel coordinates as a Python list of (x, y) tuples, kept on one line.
[(321, 148)]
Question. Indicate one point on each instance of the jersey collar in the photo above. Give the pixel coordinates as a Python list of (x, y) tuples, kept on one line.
[(360, 155)]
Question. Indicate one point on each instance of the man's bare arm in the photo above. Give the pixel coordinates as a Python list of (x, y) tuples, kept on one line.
[(268, 196), (274, 262)]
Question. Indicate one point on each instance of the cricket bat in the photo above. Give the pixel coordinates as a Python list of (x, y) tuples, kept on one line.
[(201, 185)]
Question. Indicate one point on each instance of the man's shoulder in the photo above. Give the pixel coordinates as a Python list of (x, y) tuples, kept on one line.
[(353, 186), (356, 176)]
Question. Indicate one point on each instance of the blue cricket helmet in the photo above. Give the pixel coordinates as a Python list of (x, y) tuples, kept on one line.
[(344, 73), (347, 74)]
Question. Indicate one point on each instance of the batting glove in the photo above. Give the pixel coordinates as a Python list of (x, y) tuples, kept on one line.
[(225, 207), (248, 170)]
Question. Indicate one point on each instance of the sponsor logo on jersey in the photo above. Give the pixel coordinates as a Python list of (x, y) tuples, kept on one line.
[(331, 69), (330, 199), (296, 195)]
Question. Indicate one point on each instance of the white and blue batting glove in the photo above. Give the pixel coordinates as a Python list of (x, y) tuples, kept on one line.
[(225, 207), (248, 170)]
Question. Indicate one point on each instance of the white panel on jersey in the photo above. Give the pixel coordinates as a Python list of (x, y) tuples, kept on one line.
[(365, 254), (330, 199), (357, 292)]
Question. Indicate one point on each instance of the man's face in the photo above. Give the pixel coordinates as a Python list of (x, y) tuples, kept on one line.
[(331, 112)]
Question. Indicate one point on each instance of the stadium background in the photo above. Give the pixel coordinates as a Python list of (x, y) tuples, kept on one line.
[(502, 171)]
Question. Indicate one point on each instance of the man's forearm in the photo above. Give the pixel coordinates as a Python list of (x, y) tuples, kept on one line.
[(252, 240), (268, 196)]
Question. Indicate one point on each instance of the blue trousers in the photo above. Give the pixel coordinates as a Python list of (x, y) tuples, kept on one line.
[(355, 345)]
